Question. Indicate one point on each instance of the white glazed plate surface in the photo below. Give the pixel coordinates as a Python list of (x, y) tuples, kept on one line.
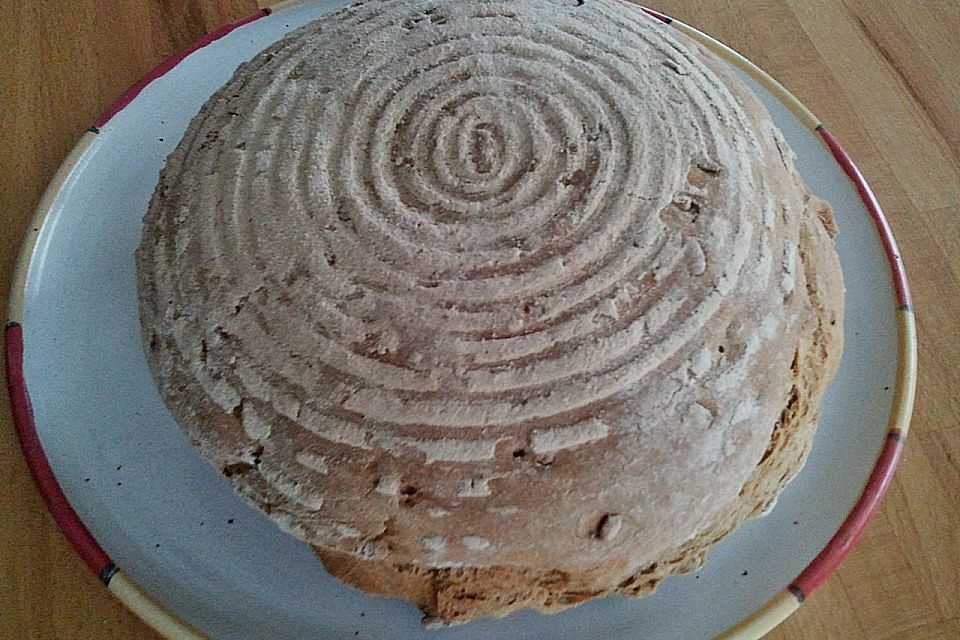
[(175, 525)]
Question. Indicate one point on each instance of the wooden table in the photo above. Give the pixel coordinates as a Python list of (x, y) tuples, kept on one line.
[(884, 75)]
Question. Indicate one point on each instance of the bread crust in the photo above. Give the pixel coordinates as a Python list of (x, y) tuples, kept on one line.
[(491, 314)]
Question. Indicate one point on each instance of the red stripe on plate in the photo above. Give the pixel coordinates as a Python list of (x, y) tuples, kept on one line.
[(849, 532), (900, 285), (170, 63), (656, 14), (64, 515)]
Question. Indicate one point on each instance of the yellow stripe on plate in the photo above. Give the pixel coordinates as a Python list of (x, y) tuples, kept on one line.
[(905, 389), (159, 619), (283, 5), (17, 289), (755, 72), (764, 619)]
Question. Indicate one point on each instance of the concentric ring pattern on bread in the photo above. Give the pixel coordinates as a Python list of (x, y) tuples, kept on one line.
[(497, 305)]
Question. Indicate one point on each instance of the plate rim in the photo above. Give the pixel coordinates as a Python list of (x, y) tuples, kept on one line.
[(755, 626)]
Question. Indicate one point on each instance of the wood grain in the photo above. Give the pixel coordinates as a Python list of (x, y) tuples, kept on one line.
[(883, 74)]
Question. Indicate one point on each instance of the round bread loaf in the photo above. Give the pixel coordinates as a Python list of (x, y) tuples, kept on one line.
[(495, 304)]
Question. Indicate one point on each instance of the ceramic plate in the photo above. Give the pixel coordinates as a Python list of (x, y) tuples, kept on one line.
[(130, 491)]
